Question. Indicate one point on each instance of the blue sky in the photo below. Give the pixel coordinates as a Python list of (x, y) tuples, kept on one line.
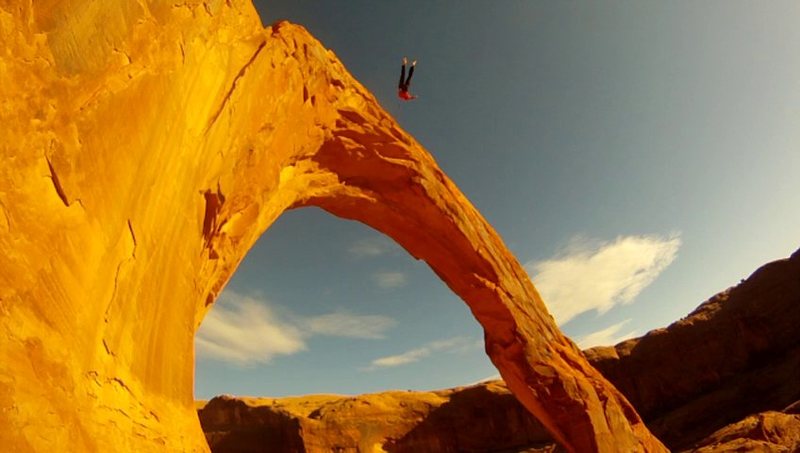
[(636, 157)]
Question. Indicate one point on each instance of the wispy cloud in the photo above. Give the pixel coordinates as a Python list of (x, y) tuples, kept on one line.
[(376, 247), (597, 277), (350, 325), (241, 330), (371, 247), (493, 377), (606, 337), (451, 345), (402, 359), (389, 279), (246, 330)]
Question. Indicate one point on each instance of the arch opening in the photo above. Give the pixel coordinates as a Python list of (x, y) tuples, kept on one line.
[(324, 305)]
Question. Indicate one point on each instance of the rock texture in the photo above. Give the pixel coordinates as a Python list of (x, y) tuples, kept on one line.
[(767, 432), (721, 379), (480, 418), (146, 144)]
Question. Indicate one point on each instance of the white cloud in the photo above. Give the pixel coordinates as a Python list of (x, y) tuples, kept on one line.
[(598, 277), (350, 325), (389, 279), (493, 377), (402, 359), (242, 330), (245, 330), (371, 247), (451, 345), (606, 337)]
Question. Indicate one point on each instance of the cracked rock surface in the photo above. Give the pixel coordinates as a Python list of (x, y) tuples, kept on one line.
[(146, 145)]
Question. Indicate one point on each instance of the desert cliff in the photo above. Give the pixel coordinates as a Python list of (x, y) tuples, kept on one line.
[(724, 378), (146, 145)]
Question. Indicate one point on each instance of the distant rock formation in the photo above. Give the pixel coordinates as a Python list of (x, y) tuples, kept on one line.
[(725, 378), (146, 145), (480, 418)]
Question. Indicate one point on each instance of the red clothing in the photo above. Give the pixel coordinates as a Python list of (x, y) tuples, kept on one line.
[(405, 95)]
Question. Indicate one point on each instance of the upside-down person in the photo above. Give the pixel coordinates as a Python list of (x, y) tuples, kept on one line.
[(402, 88)]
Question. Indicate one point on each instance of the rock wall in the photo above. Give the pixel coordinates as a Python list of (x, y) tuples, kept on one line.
[(146, 145)]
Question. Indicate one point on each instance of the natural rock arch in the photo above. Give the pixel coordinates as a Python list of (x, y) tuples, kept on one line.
[(146, 146)]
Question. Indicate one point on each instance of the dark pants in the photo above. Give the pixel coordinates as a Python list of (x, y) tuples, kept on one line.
[(404, 83)]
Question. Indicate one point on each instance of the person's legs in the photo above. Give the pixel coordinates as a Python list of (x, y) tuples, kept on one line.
[(410, 73), (402, 84)]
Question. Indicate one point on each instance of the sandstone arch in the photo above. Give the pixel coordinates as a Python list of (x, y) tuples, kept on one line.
[(146, 145)]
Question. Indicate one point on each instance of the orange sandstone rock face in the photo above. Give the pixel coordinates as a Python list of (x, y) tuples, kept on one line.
[(146, 145)]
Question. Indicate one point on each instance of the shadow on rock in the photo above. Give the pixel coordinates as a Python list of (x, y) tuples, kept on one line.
[(476, 420)]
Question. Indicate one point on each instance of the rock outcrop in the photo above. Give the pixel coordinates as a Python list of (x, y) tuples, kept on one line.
[(146, 145), (737, 354), (768, 432), (722, 379), (480, 418)]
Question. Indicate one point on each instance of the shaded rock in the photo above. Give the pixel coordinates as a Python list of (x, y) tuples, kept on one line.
[(479, 418), (235, 425), (773, 432), (146, 145), (793, 408)]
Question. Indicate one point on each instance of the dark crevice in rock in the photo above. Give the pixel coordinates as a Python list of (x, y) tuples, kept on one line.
[(57, 184), (239, 75)]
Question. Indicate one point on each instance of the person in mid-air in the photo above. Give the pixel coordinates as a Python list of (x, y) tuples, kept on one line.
[(402, 88)]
